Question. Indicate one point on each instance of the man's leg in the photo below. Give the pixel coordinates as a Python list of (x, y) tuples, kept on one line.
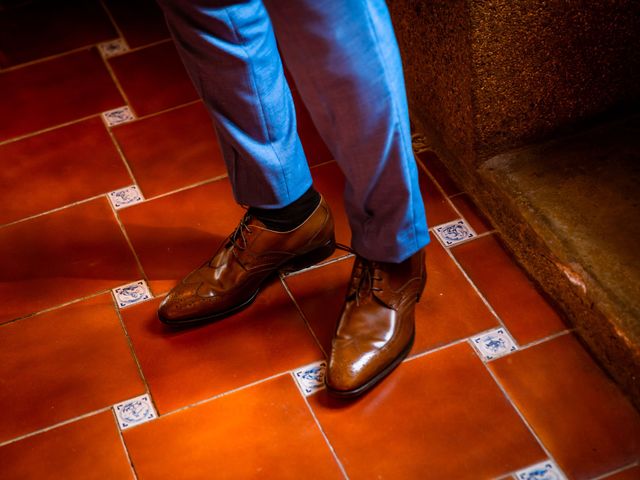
[(345, 61), (229, 50)]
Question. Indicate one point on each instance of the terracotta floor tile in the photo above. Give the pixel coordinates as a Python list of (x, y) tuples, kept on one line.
[(435, 166), (437, 206), (185, 366), (153, 78), (61, 256), (437, 416), (449, 310), (632, 473), (171, 150), (57, 168), (582, 418), (471, 213), (62, 364), (140, 21), (37, 29), (85, 449), (526, 314), (173, 235), (265, 431), (55, 91)]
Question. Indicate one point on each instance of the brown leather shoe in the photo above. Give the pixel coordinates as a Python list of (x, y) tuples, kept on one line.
[(376, 328), (249, 257)]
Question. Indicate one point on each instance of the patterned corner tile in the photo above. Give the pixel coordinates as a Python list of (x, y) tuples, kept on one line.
[(546, 470), (113, 47), (419, 143), (118, 115), (135, 411), (495, 343), (132, 293), (310, 378), (454, 232), (125, 197)]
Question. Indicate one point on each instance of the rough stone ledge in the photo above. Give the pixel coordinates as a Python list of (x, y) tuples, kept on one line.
[(569, 210)]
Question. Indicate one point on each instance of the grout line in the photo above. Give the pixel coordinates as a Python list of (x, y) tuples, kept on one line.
[(55, 56), (304, 318), (439, 187), (124, 445), (53, 427), (324, 435), (48, 129), (142, 47), (120, 153), (326, 162), (224, 394), (548, 338), (459, 194), (435, 349), (604, 476), (160, 112), (319, 264), (186, 187), (56, 307), (112, 20), (107, 65), (133, 251)]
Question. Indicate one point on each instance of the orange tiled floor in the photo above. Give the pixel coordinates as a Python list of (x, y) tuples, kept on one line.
[(74, 356)]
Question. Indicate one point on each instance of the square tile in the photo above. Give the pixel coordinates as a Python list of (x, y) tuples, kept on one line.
[(171, 150), (135, 411), (87, 448), (173, 235), (523, 310), (55, 91), (441, 413), (114, 47), (265, 339), (578, 413), (64, 363), (546, 470), (264, 431), (36, 29), (153, 78), (449, 310), (64, 255), (494, 344), (131, 294), (141, 21), (455, 232), (310, 378), (57, 168), (125, 197), (118, 115)]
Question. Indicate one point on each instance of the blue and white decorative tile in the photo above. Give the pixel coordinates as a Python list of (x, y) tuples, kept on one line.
[(310, 378), (135, 411), (125, 197), (454, 232), (494, 343), (113, 47), (118, 115), (546, 470), (131, 293)]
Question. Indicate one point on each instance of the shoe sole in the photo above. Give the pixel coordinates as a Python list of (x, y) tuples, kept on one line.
[(297, 263), (356, 392)]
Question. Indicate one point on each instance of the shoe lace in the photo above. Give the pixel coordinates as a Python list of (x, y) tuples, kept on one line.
[(365, 278), (238, 238)]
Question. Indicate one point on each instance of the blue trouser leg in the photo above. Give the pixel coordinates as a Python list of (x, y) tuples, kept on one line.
[(231, 55), (345, 61)]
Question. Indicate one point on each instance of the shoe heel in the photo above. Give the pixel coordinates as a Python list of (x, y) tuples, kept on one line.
[(310, 258)]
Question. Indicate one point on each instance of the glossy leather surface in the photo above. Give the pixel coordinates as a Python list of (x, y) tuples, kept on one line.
[(232, 278), (376, 327)]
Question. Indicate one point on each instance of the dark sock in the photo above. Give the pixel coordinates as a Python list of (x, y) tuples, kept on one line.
[(289, 217)]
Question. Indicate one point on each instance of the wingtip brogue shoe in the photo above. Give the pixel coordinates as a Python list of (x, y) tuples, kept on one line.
[(246, 260), (375, 331)]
